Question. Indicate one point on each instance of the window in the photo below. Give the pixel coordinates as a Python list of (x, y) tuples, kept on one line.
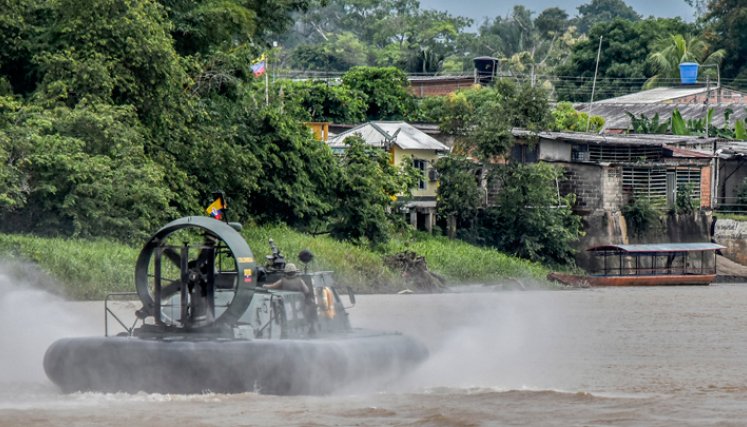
[(420, 165)]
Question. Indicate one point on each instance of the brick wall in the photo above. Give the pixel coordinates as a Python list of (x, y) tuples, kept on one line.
[(423, 88), (585, 181), (705, 187)]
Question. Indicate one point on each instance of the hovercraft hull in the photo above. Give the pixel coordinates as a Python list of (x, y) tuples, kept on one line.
[(284, 367)]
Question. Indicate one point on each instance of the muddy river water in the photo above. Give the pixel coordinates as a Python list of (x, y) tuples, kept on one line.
[(655, 357)]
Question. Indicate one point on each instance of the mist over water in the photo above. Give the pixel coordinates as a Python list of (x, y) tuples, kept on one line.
[(30, 320), (666, 356), (501, 340)]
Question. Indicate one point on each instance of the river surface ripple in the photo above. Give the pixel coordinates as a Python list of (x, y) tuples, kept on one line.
[(665, 356)]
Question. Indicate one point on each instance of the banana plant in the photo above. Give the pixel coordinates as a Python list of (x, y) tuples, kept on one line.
[(739, 130), (679, 126), (647, 125)]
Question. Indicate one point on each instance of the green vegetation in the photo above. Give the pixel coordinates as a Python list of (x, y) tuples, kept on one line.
[(116, 115), (78, 268), (89, 269), (568, 118), (529, 218), (641, 216)]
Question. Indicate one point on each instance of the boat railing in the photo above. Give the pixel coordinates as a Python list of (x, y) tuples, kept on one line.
[(616, 263), (118, 296)]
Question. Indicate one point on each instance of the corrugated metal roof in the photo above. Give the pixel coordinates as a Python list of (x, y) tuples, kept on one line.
[(659, 94), (615, 117), (402, 134), (687, 154), (627, 139), (729, 149), (659, 247)]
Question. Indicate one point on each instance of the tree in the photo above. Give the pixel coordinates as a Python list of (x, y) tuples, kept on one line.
[(22, 24), (389, 32), (676, 49), (205, 25), (80, 172), (338, 52), (322, 102), (623, 64), (552, 22), (604, 11), (111, 51), (725, 20), (384, 90), (458, 193), (530, 219), (567, 118), (366, 192)]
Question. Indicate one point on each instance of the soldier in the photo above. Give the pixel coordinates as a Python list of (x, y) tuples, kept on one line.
[(290, 281)]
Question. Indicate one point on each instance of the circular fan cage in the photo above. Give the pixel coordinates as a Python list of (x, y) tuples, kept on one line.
[(195, 273)]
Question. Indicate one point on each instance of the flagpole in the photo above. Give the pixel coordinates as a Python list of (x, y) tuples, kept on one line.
[(594, 84)]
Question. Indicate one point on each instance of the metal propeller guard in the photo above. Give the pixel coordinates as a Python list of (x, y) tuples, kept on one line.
[(244, 274)]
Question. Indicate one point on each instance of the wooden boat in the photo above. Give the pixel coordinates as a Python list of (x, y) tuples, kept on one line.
[(655, 264)]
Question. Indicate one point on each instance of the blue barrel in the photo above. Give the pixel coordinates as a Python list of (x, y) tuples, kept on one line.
[(688, 73)]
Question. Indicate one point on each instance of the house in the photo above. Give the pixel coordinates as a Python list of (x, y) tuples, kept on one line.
[(607, 171), (404, 142)]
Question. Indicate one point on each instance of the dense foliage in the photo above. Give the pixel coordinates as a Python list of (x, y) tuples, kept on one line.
[(529, 217), (368, 189), (116, 115)]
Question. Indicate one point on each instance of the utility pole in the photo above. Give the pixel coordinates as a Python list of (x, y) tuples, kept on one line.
[(594, 84)]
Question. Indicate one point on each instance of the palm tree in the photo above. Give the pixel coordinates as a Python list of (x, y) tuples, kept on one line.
[(676, 49)]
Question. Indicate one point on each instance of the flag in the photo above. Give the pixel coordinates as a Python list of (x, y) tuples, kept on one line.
[(260, 65), (215, 209)]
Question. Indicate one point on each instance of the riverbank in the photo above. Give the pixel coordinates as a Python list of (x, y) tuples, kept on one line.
[(728, 271), (84, 269)]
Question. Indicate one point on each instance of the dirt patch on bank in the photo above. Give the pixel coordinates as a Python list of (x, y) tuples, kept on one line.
[(730, 271)]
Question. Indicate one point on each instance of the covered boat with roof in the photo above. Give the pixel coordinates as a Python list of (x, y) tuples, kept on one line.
[(653, 264)]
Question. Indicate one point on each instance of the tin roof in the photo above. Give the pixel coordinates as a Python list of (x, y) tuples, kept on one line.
[(625, 139), (659, 94), (615, 116), (401, 134), (659, 247)]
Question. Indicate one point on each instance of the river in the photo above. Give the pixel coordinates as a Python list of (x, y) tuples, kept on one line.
[(666, 356)]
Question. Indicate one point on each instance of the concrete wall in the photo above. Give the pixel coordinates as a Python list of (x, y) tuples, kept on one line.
[(596, 186), (733, 235), (604, 227)]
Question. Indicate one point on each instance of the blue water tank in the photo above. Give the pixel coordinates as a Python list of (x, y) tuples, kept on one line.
[(688, 73)]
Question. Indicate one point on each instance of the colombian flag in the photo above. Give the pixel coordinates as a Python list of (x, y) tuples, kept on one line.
[(215, 209), (260, 65)]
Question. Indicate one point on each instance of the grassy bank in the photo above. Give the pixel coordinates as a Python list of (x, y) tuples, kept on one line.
[(85, 269)]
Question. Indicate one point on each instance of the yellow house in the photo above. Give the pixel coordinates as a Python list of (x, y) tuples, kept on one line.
[(404, 142)]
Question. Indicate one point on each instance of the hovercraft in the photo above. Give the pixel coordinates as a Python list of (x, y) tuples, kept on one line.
[(207, 324)]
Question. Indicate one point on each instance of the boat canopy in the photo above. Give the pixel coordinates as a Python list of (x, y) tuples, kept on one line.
[(658, 248)]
